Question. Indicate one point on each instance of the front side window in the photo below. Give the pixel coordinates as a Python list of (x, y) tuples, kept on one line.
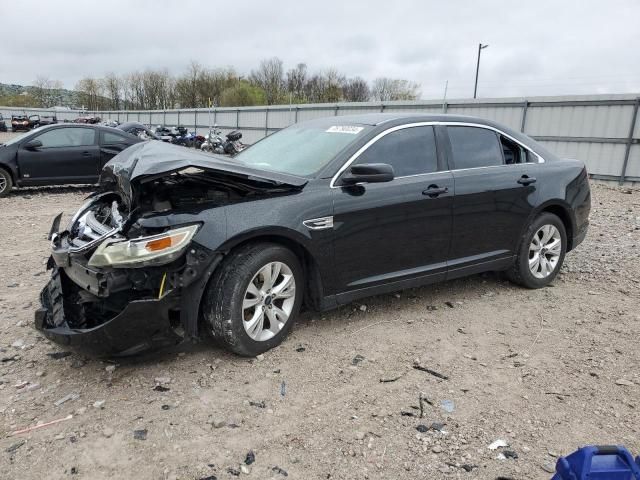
[(410, 151), (474, 147), (67, 137)]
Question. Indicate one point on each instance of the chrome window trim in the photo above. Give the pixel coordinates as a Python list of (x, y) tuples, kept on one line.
[(355, 156)]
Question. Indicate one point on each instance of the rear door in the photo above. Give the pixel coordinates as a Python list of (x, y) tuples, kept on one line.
[(495, 193), (67, 155), (399, 230)]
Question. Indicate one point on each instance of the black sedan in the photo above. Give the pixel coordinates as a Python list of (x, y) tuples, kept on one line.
[(59, 154), (321, 214)]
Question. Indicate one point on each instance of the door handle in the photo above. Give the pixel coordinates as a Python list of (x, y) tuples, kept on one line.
[(86, 154), (434, 191), (526, 180)]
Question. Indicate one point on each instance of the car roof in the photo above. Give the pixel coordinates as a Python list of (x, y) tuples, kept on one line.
[(375, 119)]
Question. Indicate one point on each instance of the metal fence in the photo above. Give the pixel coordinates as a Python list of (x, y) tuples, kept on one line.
[(601, 130)]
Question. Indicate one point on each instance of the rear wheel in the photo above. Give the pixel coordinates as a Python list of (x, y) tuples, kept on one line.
[(6, 183), (253, 300), (541, 252)]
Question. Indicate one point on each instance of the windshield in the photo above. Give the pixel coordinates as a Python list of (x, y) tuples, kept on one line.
[(19, 138), (301, 149)]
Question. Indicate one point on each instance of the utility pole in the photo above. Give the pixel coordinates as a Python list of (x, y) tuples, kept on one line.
[(475, 88)]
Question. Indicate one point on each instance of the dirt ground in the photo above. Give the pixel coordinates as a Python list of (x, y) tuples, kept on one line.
[(546, 371)]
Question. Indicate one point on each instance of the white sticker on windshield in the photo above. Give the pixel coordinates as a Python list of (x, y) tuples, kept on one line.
[(352, 129)]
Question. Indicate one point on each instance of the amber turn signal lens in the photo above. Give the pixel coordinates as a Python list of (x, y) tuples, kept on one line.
[(160, 244)]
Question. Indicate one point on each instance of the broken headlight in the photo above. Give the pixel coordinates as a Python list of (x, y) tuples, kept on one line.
[(144, 251)]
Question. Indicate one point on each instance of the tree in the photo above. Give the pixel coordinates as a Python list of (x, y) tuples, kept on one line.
[(90, 93), (187, 86), (356, 90), (270, 77), (243, 94), (296, 81), (113, 87), (41, 91), (388, 89)]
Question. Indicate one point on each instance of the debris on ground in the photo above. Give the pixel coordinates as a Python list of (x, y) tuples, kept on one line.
[(160, 388), (280, 471), (357, 359), (497, 444), (140, 434), (15, 446), (233, 471), (41, 425), (283, 389), (447, 405), (260, 404), (417, 366), (422, 428), (250, 458), (58, 355), (626, 383), (391, 379), (66, 398)]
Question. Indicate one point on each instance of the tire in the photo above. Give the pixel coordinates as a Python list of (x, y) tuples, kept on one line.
[(545, 250), (6, 183), (223, 304)]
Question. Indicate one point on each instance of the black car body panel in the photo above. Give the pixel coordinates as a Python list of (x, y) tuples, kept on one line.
[(353, 240), (60, 165)]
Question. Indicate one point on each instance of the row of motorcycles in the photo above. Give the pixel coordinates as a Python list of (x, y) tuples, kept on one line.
[(212, 142)]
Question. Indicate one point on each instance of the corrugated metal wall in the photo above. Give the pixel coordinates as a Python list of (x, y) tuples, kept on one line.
[(601, 130)]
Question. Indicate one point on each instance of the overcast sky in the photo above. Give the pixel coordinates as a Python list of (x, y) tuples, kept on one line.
[(536, 47)]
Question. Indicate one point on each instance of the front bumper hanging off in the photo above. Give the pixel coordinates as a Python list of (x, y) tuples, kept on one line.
[(142, 325), (166, 318)]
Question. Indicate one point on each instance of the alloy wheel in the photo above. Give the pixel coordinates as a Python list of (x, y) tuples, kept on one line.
[(268, 301), (544, 251), (3, 184)]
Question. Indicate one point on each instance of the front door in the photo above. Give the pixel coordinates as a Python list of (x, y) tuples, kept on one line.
[(67, 155), (400, 230)]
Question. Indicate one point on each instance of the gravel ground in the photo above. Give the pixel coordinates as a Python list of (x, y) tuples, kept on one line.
[(546, 371)]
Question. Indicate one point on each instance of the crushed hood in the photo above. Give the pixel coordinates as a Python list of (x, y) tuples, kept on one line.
[(154, 159)]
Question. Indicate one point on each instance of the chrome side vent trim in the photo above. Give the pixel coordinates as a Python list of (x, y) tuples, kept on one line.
[(322, 223)]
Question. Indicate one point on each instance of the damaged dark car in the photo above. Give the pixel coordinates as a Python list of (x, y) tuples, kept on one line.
[(179, 243)]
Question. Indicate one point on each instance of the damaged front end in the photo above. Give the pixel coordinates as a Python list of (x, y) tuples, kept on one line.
[(128, 273)]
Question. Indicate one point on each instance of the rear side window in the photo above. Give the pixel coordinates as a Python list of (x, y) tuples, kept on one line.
[(67, 137), (410, 151), (474, 147), (111, 138)]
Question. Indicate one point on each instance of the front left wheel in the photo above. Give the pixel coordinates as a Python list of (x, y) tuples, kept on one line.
[(6, 182), (252, 301)]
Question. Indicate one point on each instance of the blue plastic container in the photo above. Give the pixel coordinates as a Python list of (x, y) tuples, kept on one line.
[(598, 463)]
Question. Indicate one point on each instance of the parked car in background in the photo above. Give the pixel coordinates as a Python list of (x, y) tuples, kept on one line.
[(89, 119), (139, 130), (59, 154), (323, 212), (3, 125), (47, 120), (19, 122)]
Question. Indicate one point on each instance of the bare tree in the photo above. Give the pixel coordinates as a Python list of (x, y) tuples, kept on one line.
[(113, 88), (40, 91), (388, 89), (296, 81), (270, 77), (355, 90), (90, 92), (187, 86)]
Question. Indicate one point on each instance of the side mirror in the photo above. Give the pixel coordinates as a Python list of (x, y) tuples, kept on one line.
[(368, 173), (33, 144)]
